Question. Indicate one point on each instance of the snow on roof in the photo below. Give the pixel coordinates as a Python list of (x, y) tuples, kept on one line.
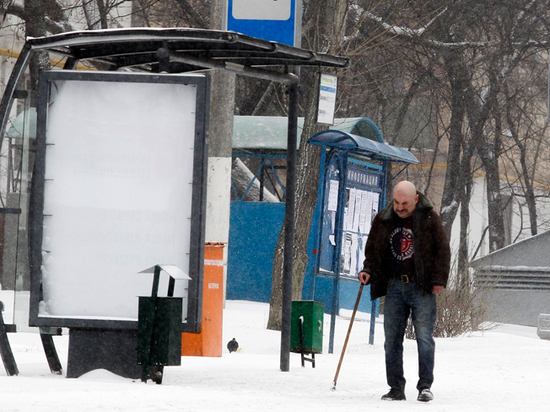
[(531, 252), (270, 132)]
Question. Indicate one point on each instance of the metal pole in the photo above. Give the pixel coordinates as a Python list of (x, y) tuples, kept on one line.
[(373, 308), (320, 205), (338, 232), (381, 204), (288, 252)]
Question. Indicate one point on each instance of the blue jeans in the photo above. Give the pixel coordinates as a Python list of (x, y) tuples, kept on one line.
[(402, 299)]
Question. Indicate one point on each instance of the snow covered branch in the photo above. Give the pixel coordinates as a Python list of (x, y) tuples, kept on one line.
[(419, 35), (404, 31)]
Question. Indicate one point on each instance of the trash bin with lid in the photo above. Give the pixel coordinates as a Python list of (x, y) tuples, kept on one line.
[(159, 325), (306, 331)]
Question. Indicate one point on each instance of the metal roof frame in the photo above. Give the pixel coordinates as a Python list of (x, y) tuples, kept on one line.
[(137, 47), (172, 50)]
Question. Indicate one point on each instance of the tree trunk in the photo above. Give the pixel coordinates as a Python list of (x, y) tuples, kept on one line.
[(494, 203), (405, 105), (307, 183), (527, 180), (489, 153), (530, 198), (326, 37), (450, 200), (478, 116), (103, 13), (307, 167), (463, 249), (35, 26)]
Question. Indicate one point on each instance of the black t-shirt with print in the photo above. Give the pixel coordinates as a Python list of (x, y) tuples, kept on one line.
[(402, 248)]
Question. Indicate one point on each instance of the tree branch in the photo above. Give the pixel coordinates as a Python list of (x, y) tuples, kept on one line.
[(193, 15), (418, 35), (13, 9)]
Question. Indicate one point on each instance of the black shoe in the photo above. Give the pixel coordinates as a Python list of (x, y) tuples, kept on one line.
[(425, 395), (395, 395)]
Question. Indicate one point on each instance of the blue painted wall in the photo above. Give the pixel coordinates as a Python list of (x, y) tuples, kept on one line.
[(253, 232)]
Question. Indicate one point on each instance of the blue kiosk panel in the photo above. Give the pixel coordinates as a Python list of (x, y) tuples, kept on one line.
[(352, 189)]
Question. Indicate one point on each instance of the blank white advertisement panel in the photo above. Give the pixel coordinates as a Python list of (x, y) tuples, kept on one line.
[(117, 195)]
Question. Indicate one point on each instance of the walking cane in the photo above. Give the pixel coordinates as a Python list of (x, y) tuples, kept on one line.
[(347, 336)]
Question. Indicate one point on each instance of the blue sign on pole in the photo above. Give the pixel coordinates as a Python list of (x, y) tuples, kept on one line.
[(273, 20)]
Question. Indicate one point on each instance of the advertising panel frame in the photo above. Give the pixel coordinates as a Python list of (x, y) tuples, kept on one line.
[(198, 201)]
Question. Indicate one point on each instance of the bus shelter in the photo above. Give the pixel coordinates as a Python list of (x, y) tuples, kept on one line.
[(352, 189), (141, 83)]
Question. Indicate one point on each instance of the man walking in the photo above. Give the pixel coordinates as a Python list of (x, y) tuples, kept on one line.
[(407, 259)]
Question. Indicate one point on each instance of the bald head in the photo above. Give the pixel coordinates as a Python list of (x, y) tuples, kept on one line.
[(404, 199), (405, 187)]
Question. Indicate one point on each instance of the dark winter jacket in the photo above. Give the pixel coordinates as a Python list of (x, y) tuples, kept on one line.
[(432, 254)]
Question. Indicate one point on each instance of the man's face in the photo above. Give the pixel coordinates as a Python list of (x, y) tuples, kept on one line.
[(404, 204)]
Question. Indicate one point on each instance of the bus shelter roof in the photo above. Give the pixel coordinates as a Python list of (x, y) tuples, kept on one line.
[(188, 49), (365, 146)]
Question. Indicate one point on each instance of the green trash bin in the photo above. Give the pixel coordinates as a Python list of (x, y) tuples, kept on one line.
[(306, 331), (159, 331), (159, 328)]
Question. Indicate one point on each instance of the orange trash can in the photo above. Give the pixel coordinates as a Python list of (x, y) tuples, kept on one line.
[(209, 341)]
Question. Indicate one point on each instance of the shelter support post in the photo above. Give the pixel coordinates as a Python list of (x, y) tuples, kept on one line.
[(5, 348), (46, 336), (288, 253)]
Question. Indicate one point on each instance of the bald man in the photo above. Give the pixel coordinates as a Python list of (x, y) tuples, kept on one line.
[(407, 260)]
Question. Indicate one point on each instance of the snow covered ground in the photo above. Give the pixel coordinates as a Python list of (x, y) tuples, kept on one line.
[(505, 369)]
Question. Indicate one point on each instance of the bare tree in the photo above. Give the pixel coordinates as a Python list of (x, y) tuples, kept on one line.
[(326, 36), (524, 138), (479, 48), (457, 56)]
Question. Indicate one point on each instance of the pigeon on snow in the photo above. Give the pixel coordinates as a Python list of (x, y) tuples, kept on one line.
[(232, 345)]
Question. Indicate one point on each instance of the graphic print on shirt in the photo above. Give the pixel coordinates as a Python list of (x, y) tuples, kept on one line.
[(402, 245)]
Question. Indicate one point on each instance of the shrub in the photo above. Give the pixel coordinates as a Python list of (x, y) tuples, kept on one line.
[(462, 308)]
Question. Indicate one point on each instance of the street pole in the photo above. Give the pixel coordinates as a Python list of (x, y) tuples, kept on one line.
[(288, 253)]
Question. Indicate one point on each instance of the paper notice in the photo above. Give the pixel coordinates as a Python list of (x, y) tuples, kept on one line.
[(333, 195)]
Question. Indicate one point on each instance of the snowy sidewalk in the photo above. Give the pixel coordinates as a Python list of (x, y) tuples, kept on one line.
[(505, 369)]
